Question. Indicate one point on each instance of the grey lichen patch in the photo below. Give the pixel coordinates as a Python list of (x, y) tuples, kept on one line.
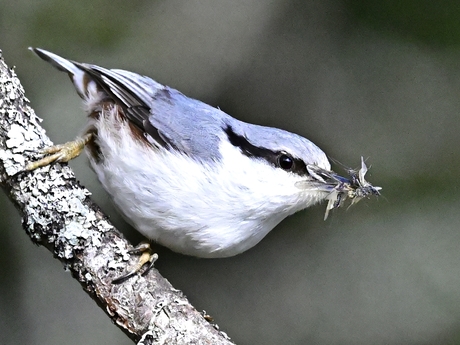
[(23, 135), (66, 204), (69, 238), (122, 256)]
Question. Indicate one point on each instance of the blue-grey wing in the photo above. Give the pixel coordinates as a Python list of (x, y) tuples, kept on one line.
[(188, 125), (171, 119)]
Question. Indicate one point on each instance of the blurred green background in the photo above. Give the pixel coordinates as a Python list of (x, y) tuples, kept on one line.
[(379, 79)]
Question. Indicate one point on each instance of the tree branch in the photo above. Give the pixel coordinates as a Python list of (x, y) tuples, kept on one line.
[(58, 214)]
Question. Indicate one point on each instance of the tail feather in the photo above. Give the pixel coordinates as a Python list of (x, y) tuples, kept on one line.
[(57, 61), (126, 88), (78, 75), (132, 92)]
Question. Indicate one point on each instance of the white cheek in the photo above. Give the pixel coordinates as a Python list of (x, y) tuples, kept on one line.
[(259, 178), (273, 189)]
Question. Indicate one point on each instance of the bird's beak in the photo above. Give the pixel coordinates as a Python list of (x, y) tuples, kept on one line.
[(339, 188)]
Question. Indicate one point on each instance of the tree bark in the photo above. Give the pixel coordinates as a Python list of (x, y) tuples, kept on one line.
[(57, 213)]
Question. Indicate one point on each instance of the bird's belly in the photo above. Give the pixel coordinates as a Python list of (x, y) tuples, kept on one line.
[(170, 200)]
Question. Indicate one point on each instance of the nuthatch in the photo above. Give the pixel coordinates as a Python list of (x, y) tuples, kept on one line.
[(186, 174)]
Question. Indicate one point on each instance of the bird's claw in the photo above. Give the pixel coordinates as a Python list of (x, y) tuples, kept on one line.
[(147, 259), (60, 153)]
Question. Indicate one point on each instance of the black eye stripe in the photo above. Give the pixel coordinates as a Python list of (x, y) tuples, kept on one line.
[(272, 157)]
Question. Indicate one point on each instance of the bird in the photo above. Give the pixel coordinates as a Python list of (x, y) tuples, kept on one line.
[(186, 174)]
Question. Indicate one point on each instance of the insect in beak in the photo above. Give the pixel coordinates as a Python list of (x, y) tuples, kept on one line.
[(355, 187)]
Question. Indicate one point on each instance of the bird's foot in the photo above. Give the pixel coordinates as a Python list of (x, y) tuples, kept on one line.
[(147, 258), (61, 153)]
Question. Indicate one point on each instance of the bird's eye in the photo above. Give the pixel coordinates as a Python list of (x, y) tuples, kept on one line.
[(285, 161)]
